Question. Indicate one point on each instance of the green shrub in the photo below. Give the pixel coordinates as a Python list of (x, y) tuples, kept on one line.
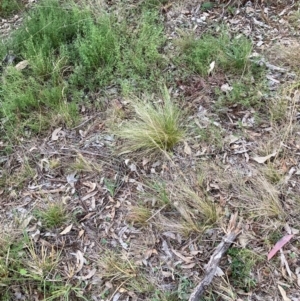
[(95, 53), (69, 49), (229, 54), (242, 263), (48, 26), (10, 7)]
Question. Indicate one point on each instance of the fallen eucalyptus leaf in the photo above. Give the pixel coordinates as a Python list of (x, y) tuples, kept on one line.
[(262, 160)]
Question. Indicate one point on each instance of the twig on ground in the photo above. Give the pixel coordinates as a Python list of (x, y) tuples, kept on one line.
[(233, 231), (85, 122)]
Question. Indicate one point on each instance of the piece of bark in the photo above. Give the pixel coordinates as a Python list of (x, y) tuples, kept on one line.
[(233, 230)]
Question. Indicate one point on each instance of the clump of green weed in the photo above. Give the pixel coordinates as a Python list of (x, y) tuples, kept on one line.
[(156, 127), (49, 26), (10, 7), (27, 102), (207, 6), (140, 63), (273, 174), (228, 53), (244, 93), (68, 48), (212, 135), (242, 261), (96, 52), (53, 216), (162, 194)]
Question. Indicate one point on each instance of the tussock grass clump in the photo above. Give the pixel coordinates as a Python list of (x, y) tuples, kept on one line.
[(156, 128), (55, 215), (118, 268), (139, 215), (179, 208)]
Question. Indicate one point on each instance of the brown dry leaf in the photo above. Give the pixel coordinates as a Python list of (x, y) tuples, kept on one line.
[(167, 274), (214, 186), (90, 274), (22, 65), (91, 185), (283, 294), (145, 161), (185, 259), (80, 261), (89, 195), (188, 266), (243, 240), (149, 253), (66, 230), (36, 235), (187, 148), (169, 234), (166, 249), (55, 134), (285, 263), (26, 222), (291, 230), (108, 284), (113, 213), (81, 232), (133, 296), (219, 272), (71, 179), (262, 160), (297, 271), (111, 199)]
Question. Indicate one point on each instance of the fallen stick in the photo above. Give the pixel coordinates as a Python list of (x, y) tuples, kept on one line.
[(233, 230)]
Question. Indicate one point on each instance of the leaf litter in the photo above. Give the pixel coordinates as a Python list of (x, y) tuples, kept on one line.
[(176, 243)]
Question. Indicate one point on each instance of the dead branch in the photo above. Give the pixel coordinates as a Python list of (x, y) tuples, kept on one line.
[(233, 231)]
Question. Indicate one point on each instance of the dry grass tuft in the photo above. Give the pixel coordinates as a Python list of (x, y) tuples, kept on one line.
[(121, 271), (41, 261), (187, 210), (258, 197), (286, 53), (138, 215), (156, 127)]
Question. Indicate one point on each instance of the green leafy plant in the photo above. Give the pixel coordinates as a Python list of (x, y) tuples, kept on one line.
[(207, 6), (69, 48), (212, 135), (10, 7), (242, 262), (243, 93), (228, 53), (111, 186)]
